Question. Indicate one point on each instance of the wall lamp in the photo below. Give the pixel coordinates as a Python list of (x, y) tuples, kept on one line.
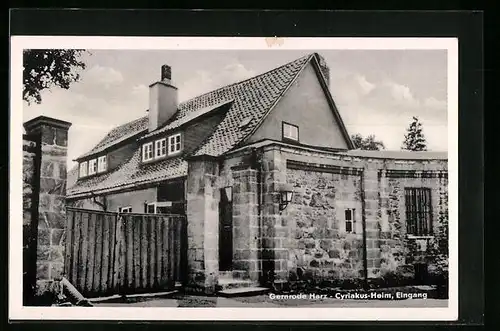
[(286, 195)]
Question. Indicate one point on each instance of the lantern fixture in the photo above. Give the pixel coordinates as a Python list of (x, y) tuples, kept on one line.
[(286, 195)]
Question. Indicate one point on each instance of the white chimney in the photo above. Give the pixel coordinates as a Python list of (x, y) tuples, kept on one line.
[(162, 99)]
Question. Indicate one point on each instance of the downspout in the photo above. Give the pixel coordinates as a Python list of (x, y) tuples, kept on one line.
[(363, 223), (256, 163)]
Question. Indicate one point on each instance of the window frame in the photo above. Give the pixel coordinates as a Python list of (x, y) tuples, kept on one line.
[(159, 147), (284, 137), (147, 208), (99, 163), (92, 170), (352, 220), (85, 167), (156, 205), (128, 208), (169, 151), (420, 212), (148, 144)]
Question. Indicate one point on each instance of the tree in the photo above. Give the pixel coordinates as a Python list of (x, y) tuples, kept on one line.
[(414, 137), (368, 143), (45, 68)]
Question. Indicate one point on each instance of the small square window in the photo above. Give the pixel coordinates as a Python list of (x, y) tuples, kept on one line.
[(290, 131), (147, 151), (151, 208), (244, 122), (174, 144), (101, 164), (161, 147), (92, 166), (83, 169)]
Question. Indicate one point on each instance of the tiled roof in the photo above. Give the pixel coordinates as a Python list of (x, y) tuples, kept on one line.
[(252, 98), (131, 173), (177, 122), (119, 134), (400, 155)]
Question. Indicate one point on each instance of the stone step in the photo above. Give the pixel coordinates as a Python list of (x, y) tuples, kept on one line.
[(240, 274), (243, 291), (229, 283)]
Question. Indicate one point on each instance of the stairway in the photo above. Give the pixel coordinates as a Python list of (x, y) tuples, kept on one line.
[(237, 283)]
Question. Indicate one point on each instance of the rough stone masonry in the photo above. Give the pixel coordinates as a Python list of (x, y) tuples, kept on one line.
[(50, 194)]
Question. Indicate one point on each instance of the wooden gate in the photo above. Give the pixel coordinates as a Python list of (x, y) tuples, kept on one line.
[(110, 253)]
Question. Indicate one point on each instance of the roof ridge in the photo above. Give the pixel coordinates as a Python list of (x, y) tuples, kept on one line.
[(244, 80)]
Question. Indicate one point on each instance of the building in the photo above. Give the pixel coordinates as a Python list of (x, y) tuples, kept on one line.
[(232, 158)]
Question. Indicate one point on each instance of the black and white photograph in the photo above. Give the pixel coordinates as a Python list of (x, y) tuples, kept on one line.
[(216, 173)]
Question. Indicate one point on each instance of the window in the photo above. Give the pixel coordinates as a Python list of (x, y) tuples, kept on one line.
[(147, 151), (161, 147), (290, 131), (83, 169), (174, 144), (125, 209), (162, 207), (92, 166), (418, 211), (350, 221), (244, 122), (151, 208), (101, 164)]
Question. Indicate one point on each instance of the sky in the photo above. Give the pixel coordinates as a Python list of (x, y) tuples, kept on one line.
[(376, 91)]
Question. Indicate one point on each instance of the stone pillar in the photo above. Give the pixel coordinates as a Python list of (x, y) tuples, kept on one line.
[(384, 202), (203, 225), (53, 135), (275, 229), (370, 186), (245, 223)]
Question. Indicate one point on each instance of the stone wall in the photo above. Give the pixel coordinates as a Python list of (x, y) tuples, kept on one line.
[(202, 230), (321, 247), (399, 251), (31, 180), (325, 184), (309, 239), (53, 135)]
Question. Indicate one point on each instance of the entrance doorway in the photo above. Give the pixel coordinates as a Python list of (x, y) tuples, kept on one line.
[(226, 230)]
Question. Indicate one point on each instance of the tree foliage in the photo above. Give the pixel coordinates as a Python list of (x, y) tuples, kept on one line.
[(45, 68), (368, 143), (414, 137)]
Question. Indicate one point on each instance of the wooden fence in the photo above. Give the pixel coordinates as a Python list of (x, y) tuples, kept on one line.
[(110, 253)]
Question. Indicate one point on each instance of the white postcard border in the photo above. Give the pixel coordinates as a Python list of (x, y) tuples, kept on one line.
[(17, 311)]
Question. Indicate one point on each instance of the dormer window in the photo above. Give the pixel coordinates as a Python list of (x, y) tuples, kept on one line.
[(174, 144), (244, 122), (161, 147), (147, 151), (92, 166), (102, 164), (83, 169), (290, 131)]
